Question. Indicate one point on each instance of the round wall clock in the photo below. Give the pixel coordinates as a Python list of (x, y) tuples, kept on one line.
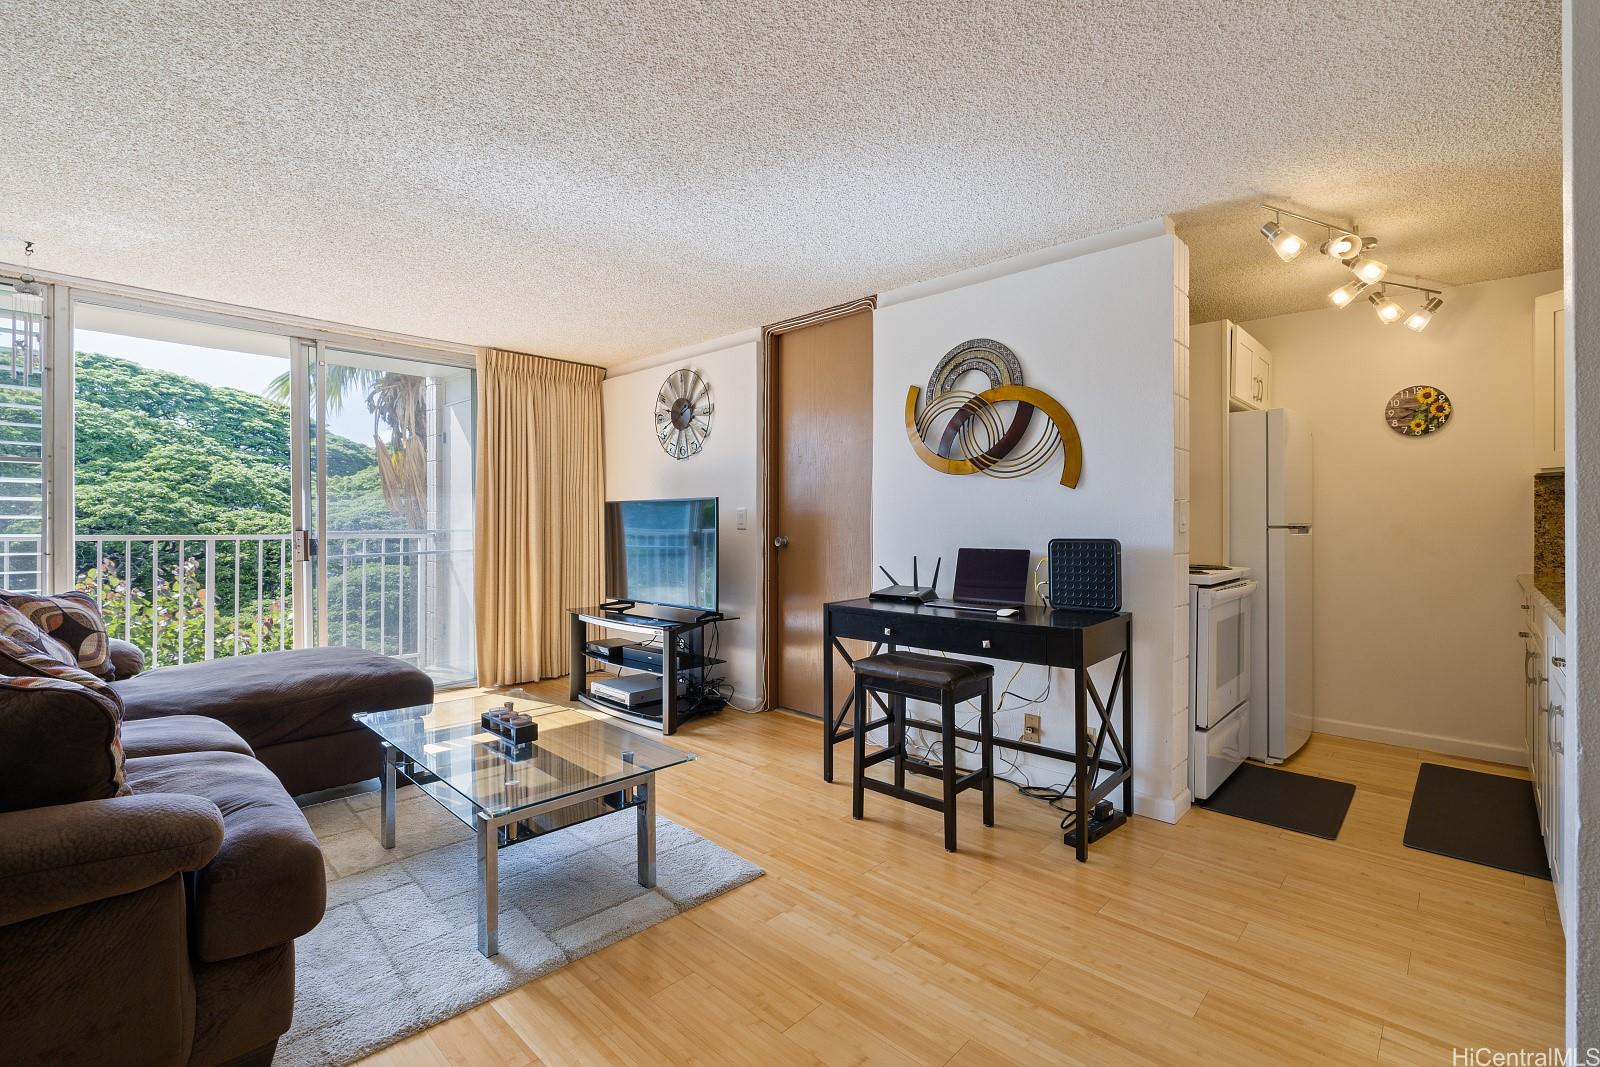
[(683, 414), (1418, 411)]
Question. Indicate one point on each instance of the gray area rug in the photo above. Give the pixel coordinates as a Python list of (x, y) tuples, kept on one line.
[(397, 950)]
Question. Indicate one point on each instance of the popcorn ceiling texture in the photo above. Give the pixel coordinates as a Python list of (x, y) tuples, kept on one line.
[(606, 181)]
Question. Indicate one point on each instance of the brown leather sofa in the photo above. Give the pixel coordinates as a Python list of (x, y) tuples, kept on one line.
[(156, 927), (293, 708)]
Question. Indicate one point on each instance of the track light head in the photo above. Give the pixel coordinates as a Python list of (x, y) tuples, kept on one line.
[(1286, 244), (1418, 320), (1342, 246), (1345, 295), (1389, 312), (1368, 269)]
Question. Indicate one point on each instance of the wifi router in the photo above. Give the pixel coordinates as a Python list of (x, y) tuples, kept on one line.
[(915, 593)]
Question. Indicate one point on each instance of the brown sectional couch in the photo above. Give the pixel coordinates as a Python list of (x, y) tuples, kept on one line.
[(158, 927), (293, 708)]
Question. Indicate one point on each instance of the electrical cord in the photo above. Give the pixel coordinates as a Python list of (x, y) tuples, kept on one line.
[(1056, 796)]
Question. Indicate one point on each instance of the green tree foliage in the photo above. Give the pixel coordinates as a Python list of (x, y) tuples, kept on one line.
[(162, 453)]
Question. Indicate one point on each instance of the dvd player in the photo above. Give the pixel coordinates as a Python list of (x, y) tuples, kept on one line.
[(632, 691)]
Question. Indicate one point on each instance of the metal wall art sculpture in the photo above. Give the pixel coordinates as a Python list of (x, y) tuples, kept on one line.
[(977, 438)]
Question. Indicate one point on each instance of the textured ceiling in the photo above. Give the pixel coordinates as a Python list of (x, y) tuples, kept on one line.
[(606, 181)]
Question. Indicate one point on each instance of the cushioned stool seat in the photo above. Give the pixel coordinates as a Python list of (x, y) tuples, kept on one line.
[(903, 676), (932, 672)]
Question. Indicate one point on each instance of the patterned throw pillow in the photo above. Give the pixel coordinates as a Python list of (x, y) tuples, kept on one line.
[(72, 619), (32, 659)]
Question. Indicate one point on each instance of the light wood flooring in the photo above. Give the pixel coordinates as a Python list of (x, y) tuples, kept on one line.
[(1212, 941)]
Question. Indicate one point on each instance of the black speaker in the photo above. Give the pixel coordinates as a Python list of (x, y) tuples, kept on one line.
[(1085, 574)]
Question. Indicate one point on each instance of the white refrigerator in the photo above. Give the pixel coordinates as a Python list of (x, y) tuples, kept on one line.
[(1270, 531)]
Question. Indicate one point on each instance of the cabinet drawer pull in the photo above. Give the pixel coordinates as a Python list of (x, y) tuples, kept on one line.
[(1558, 661), (987, 643)]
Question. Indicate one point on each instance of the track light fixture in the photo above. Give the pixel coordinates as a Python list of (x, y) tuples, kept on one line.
[(1350, 248), (1286, 244), (1345, 294), (1419, 319)]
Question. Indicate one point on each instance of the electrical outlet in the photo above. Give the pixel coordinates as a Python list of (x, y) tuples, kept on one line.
[(1030, 729)]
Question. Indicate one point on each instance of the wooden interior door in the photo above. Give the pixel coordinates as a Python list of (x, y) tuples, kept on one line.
[(822, 494)]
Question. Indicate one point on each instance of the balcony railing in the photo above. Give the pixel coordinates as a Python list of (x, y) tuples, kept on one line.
[(182, 598)]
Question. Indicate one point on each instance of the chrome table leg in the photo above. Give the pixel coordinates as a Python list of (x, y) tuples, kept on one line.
[(391, 756), (488, 887), (646, 811)]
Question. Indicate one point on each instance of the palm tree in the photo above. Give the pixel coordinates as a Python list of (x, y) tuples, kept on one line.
[(400, 400)]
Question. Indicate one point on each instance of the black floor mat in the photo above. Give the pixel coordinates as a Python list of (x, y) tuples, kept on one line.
[(1489, 819), (1283, 799)]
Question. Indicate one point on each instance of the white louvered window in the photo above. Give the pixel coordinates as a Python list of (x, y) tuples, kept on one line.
[(23, 336)]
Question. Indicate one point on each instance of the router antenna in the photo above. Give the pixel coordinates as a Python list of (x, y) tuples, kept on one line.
[(914, 572), (934, 585), (887, 575)]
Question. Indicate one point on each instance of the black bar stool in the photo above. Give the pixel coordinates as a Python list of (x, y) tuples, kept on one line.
[(946, 682)]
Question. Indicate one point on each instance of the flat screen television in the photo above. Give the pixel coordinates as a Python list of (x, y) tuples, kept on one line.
[(662, 552)]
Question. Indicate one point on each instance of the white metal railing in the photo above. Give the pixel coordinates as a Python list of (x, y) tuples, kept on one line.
[(183, 597)]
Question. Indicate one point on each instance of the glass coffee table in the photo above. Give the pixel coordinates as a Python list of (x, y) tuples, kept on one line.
[(580, 768)]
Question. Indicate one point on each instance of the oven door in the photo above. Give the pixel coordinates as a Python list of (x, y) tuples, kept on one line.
[(1222, 651), (1216, 753)]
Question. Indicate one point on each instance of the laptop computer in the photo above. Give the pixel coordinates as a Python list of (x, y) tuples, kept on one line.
[(989, 579)]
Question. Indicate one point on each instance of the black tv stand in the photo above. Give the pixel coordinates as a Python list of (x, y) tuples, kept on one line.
[(681, 633)]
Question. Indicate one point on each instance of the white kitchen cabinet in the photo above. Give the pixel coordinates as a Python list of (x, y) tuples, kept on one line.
[(1549, 382), (1250, 371), (1544, 727)]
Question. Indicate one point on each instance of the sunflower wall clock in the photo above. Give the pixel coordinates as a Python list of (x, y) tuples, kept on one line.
[(1418, 411), (683, 414)]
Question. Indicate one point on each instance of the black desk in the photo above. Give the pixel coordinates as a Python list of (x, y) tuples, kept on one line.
[(1073, 639)]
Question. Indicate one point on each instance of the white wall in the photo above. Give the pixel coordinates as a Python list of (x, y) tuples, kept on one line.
[(1580, 75), (1102, 325), (1097, 332), (637, 468), (1419, 540)]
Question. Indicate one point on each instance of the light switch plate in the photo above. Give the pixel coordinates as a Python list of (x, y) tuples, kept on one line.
[(741, 518)]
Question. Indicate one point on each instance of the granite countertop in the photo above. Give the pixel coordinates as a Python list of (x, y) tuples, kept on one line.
[(1549, 597)]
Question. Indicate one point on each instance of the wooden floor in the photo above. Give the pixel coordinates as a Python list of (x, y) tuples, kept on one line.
[(1212, 941)]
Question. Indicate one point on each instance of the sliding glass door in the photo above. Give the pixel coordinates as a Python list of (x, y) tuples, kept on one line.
[(392, 460), (225, 486), (182, 482)]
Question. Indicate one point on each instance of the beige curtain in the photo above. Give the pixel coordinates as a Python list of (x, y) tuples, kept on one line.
[(541, 506)]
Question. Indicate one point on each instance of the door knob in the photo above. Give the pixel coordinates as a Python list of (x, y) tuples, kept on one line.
[(780, 542)]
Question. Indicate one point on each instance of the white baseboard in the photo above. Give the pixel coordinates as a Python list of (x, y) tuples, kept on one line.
[(1162, 809), (1450, 746)]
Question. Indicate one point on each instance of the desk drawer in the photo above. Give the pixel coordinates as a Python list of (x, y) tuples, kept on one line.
[(989, 639)]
